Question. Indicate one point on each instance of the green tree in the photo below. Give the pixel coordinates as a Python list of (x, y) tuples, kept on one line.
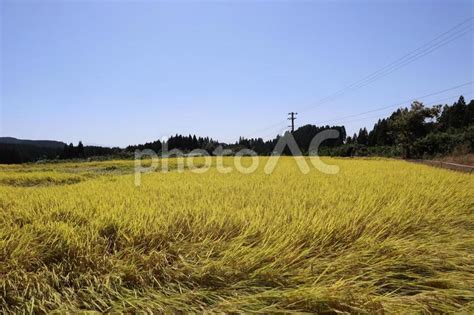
[(363, 137), (411, 124)]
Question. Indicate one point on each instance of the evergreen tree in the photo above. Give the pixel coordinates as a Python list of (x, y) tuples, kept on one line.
[(363, 137), (80, 150)]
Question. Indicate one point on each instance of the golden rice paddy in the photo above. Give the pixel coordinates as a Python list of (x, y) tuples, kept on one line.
[(379, 236)]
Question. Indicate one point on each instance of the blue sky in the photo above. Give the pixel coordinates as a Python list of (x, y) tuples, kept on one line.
[(123, 72)]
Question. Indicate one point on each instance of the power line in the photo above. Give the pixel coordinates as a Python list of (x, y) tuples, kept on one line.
[(413, 59), (338, 119), (431, 104), (425, 49), (439, 41), (274, 126), (419, 48), (393, 105)]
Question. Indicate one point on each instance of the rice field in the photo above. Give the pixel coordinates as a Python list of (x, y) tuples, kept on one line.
[(381, 236)]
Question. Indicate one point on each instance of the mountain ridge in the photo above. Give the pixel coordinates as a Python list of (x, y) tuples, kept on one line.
[(53, 144)]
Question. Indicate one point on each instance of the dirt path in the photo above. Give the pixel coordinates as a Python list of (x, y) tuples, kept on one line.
[(447, 165)]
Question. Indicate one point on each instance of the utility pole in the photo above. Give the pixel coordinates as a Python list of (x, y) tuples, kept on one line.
[(292, 118)]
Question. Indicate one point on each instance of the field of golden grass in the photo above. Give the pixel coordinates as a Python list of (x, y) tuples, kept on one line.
[(380, 236)]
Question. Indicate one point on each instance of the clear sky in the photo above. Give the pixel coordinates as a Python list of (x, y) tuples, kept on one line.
[(126, 72)]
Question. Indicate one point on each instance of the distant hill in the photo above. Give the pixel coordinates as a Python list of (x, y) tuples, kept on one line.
[(14, 150), (51, 144)]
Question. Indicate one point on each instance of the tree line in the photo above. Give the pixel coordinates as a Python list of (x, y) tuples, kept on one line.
[(302, 135), (16, 153), (180, 142), (417, 132), (412, 132)]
